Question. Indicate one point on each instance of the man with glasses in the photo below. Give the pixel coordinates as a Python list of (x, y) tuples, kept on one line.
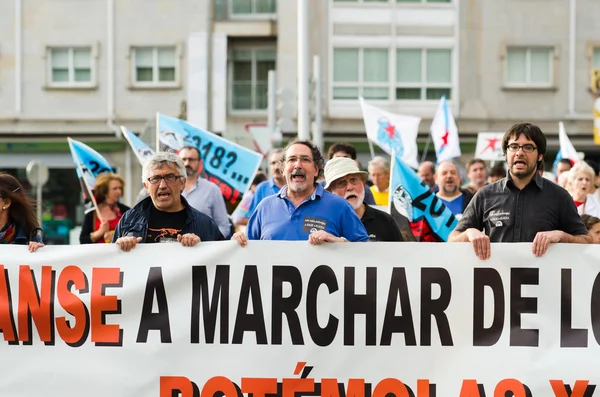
[(302, 209), (165, 216), (523, 206), (201, 194), (344, 179)]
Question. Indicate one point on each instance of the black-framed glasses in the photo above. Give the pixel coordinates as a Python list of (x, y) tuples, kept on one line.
[(527, 148), (169, 178)]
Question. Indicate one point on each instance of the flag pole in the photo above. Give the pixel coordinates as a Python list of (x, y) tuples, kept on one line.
[(371, 148), (424, 155)]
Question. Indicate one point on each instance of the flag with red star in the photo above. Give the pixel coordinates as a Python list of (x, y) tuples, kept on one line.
[(489, 146), (392, 132), (444, 133)]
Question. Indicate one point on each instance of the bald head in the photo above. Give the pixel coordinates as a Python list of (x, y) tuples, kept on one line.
[(426, 172), (447, 178)]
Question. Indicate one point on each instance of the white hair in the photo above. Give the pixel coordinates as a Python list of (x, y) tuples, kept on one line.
[(161, 158), (579, 168), (379, 162)]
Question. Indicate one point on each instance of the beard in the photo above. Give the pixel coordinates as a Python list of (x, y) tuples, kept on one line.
[(300, 185), (523, 174), (357, 200), (189, 171), (450, 191)]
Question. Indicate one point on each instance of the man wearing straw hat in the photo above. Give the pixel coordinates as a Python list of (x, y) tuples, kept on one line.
[(343, 178)]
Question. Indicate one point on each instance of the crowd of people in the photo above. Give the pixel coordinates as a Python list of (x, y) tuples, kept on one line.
[(308, 197)]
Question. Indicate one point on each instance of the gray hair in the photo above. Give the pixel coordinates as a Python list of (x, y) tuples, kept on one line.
[(579, 168), (161, 158), (379, 162)]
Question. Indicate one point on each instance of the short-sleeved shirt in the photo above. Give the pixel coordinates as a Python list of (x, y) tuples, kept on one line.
[(263, 189), (276, 218), (380, 225), (507, 214)]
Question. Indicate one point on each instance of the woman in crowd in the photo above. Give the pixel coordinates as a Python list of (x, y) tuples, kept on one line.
[(18, 223), (593, 226), (240, 215), (108, 191), (581, 178)]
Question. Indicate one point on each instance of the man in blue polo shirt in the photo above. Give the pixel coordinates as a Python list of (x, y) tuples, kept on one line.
[(302, 209)]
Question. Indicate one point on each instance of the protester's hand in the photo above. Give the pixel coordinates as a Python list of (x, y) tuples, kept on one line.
[(188, 240), (128, 243), (321, 236), (241, 238), (481, 243), (34, 245), (108, 236), (542, 239)]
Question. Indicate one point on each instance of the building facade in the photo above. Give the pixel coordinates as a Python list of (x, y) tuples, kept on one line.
[(82, 68)]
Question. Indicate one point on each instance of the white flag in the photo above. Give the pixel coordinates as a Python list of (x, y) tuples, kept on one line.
[(567, 151), (489, 146), (444, 133), (392, 132)]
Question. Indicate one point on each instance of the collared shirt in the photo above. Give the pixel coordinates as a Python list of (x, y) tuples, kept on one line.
[(380, 225), (263, 189), (276, 218), (507, 214), (206, 197)]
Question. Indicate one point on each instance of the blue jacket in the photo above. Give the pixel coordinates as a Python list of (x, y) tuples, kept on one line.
[(134, 223), (22, 239)]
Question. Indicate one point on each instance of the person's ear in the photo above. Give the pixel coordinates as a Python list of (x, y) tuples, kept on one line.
[(6, 203)]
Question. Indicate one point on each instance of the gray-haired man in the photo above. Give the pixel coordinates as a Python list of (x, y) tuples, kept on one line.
[(165, 216)]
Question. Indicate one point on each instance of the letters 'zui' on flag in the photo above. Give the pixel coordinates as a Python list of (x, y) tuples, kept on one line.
[(429, 218)]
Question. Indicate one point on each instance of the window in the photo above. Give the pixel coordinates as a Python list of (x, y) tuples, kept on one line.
[(528, 67), (423, 74), (71, 66), (155, 66), (360, 72), (242, 7), (249, 71)]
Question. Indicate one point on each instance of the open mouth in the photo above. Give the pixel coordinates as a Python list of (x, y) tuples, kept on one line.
[(298, 177), (352, 197), (520, 163), (163, 195)]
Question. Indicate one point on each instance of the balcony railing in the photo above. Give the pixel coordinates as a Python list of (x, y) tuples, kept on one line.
[(227, 9)]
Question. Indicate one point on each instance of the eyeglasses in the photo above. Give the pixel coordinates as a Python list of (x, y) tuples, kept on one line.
[(527, 148), (343, 183), (169, 178), (294, 159)]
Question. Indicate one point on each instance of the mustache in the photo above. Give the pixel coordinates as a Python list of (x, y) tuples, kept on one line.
[(298, 173)]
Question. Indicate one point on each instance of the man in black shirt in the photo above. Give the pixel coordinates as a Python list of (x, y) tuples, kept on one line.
[(165, 215), (523, 207), (343, 178)]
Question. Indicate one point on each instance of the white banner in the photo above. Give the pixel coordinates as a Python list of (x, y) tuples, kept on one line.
[(412, 319)]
